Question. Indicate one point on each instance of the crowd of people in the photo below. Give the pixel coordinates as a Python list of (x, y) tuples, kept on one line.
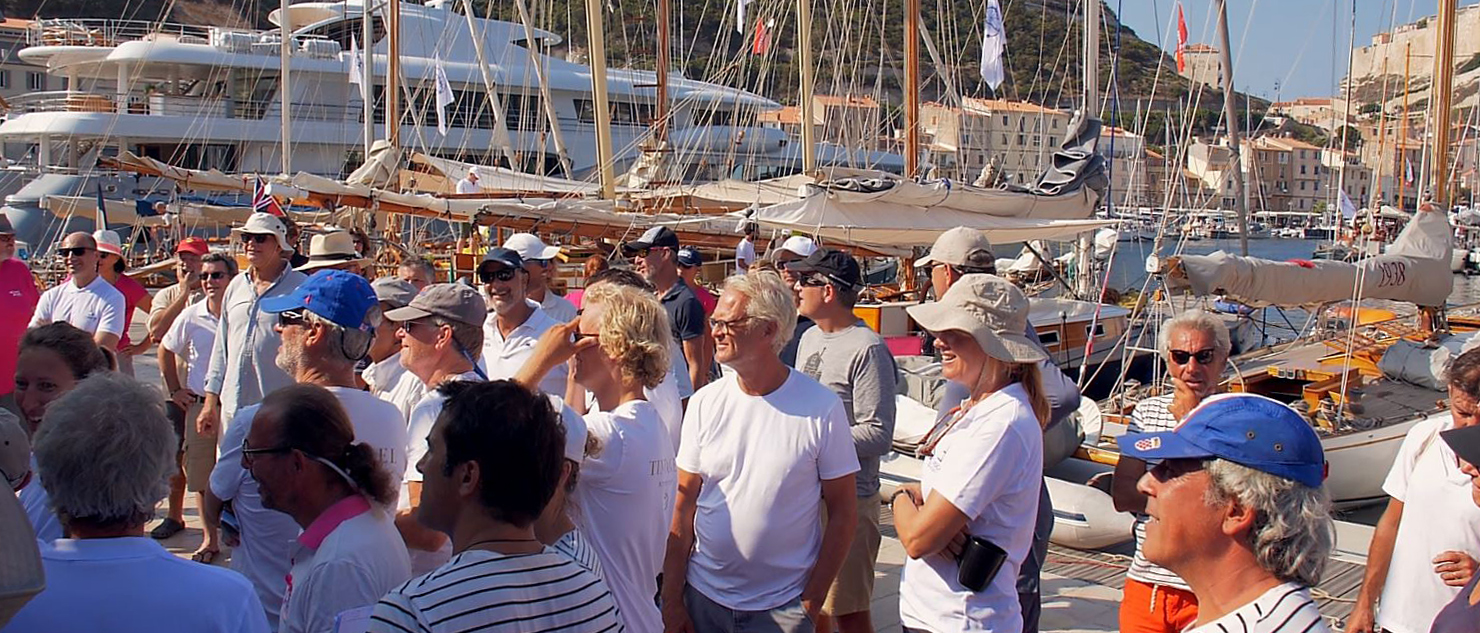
[(407, 454)]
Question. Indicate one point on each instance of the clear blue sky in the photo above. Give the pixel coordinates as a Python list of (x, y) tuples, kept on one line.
[(1291, 43)]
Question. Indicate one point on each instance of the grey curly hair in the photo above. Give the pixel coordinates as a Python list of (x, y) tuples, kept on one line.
[(105, 451), (1293, 532), (1197, 320)]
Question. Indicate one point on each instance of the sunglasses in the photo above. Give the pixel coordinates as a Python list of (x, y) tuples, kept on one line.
[(814, 281), (1203, 356), (643, 252), (408, 326), (488, 276), (215, 275), (76, 251), (292, 317), (1169, 469), (579, 336), (256, 238), (716, 325)]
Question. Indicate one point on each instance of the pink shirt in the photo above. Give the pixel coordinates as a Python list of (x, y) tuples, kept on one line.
[(706, 298), (18, 296), (132, 292)]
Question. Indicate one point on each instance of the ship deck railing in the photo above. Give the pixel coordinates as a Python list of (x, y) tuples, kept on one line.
[(161, 104), (108, 31)]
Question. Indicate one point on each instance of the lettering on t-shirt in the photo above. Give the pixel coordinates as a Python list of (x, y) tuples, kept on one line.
[(662, 467)]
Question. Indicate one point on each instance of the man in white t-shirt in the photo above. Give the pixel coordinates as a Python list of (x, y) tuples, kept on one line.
[(191, 337), (441, 336), (514, 322), (86, 300), (1237, 510), (469, 183), (745, 250), (539, 262), (384, 375), (1424, 547), (1195, 346), (764, 449), (302, 453)]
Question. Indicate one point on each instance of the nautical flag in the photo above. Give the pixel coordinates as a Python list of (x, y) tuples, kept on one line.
[(761, 44), (263, 203), (1407, 171), (356, 64), (1181, 40), (1348, 210), (994, 45), (444, 96), (102, 210)]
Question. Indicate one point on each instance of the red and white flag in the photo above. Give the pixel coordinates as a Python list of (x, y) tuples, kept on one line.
[(1181, 40), (263, 203), (761, 43)]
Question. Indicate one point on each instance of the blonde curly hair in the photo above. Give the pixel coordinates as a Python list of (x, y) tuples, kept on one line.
[(634, 331)]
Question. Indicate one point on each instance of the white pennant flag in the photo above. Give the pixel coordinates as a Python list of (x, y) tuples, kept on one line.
[(740, 15), (1407, 171), (356, 63), (444, 97), (1348, 210), (994, 45)]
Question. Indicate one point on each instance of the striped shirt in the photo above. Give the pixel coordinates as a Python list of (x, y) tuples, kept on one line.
[(1286, 608), (575, 546), (1151, 415), (482, 590)]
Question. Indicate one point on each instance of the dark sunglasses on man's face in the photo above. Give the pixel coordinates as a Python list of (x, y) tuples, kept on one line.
[(292, 317), (214, 275), (488, 275), (257, 238), (1203, 356), (76, 251)]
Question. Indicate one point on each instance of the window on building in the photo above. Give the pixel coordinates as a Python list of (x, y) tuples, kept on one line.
[(1055, 124), (4, 79), (36, 81), (1302, 185), (1302, 170), (1020, 140), (1037, 141), (1004, 140), (1004, 120)]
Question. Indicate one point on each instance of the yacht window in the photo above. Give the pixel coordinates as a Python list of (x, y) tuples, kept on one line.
[(342, 31), (1049, 338)]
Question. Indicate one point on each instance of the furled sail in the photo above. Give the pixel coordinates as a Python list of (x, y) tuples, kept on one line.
[(1415, 269)]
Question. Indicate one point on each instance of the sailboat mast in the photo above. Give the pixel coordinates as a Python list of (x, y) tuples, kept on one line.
[(1230, 121), (660, 125), (804, 46), (285, 95), (393, 74), (367, 74), (596, 41), (1443, 94), (1403, 134), (912, 88), (1084, 279)]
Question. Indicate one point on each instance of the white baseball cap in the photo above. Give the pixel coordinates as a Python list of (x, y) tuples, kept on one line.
[(531, 247), (802, 246), (261, 223)]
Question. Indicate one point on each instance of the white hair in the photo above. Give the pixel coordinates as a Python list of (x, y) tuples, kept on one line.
[(352, 344), (1196, 320), (1293, 532), (105, 451), (770, 299)]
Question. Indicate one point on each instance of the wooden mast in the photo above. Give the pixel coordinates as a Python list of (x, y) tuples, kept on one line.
[(393, 74), (1402, 167), (1230, 122), (912, 88), (804, 50), (596, 40), (1443, 95)]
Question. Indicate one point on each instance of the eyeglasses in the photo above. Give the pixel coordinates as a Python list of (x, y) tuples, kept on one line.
[(6, 238), (257, 238), (292, 317), (408, 326), (643, 252), (579, 336), (488, 276), (249, 453), (813, 281), (1169, 469), (215, 275), (1204, 356), (716, 325), (77, 251)]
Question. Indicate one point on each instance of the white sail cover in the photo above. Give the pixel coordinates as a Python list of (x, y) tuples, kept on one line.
[(1414, 269)]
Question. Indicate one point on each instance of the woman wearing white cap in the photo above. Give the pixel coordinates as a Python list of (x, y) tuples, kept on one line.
[(110, 268), (968, 524)]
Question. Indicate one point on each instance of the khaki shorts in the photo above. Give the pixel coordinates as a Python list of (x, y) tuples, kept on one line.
[(853, 589), (200, 454)]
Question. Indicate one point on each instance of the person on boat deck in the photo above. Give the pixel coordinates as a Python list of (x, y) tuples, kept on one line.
[(469, 183), (104, 454), (1237, 509), (418, 272), (539, 262), (308, 466), (441, 338), (243, 365), (1424, 547), (982, 477), (965, 251), (740, 557), (110, 268), (514, 322), (1195, 346), (87, 301), (745, 250), (655, 256), (1462, 615), (852, 360)]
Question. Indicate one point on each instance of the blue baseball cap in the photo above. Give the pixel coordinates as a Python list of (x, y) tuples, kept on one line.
[(505, 256), (340, 296), (1249, 430)]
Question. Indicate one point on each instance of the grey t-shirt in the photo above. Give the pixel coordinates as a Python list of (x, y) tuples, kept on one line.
[(856, 364)]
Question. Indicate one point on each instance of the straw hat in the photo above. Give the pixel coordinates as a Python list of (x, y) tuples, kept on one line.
[(335, 248)]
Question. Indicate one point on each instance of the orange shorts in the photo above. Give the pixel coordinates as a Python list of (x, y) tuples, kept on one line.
[(1156, 608)]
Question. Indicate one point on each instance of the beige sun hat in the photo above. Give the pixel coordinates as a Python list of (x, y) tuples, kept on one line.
[(991, 310), (334, 248), (961, 246)]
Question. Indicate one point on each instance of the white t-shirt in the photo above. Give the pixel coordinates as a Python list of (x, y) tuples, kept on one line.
[(763, 459), (419, 425), (1286, 608), (37, 505), (393, 383), (379, 424), (190, 338), (347, 558), (744, 253), (468, 186), (664, 398), (480, 590), (989, 467), (504, 356), (98, 307), (558, 307), (1151, 415), (624, 505), (1438, 515)]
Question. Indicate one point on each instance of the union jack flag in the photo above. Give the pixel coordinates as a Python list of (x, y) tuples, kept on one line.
[(263, 203)]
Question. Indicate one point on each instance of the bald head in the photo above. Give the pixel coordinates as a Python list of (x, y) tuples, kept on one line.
[(80, 239)]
